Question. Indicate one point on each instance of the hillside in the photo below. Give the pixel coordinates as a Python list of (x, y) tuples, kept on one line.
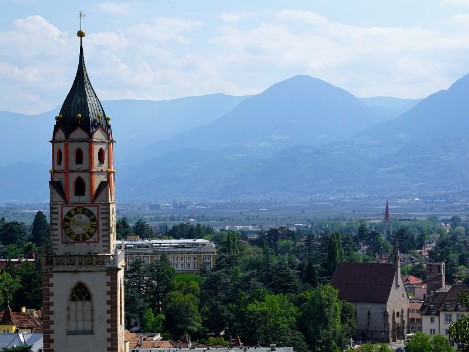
[(299, 137)]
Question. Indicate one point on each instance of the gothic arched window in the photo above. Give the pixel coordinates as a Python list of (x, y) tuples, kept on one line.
[(80, 311), (59, 156), (101, 156), (79, 187), (78, 156)]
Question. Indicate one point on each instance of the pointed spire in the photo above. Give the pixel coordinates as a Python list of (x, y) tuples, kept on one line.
[(7, 318), (82, 106), (396, 261)]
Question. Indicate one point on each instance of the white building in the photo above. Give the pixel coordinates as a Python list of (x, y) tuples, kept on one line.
[(443, 309), (185, 255)]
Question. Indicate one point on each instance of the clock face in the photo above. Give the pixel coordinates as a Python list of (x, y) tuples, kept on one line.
[(80, 224)]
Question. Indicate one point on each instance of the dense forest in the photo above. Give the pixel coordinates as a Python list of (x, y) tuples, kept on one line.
[(267, 287)]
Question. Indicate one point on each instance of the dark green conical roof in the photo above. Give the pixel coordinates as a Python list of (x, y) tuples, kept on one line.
[(82, 106)]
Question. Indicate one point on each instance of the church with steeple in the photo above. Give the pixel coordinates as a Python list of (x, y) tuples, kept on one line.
[(83, 275), (378, 294)]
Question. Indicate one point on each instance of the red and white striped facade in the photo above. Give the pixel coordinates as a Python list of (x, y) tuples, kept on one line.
[(83, 276)]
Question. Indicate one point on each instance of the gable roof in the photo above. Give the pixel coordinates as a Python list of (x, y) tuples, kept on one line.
[(364, 282), (21, 320), (445, 301)]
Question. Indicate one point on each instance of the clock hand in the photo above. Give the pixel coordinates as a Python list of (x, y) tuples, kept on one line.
[(79, 224)]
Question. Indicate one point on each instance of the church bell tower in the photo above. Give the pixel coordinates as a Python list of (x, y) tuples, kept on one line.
[(83, 276)]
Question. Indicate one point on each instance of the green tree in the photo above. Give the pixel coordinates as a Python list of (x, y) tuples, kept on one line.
[(142, 229), (373, 347), (423, 343), (152, 322), (29, 277), (40, 232), (135, 307), (270, 320), (162, 275), (285, 280), (136, 276), (8, 287), (13, 232), (459, 330), (123, 229), (182, 314), (335, 253), (24, 348), (320, 320), (135, 290)]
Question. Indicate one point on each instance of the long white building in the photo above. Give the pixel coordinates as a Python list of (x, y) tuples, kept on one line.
[(186, 255)]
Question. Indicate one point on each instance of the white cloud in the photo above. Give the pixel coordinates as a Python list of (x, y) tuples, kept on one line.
[(234, 17), (169, 57)]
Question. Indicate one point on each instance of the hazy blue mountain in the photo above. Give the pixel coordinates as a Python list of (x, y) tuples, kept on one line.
[(300, 137), (299, 110), (387, 107), (25, 181), (138, 123), (25, 138), (425, 149), (134, 122)]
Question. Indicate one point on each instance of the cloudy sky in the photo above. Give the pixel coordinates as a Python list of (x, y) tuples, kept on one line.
[(163, 49)]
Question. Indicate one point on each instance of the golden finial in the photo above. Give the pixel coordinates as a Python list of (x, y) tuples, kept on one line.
[(80, 33)]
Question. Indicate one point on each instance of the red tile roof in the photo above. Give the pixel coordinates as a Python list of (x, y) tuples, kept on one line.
[(364, 282), (21, 320), (412, 280)]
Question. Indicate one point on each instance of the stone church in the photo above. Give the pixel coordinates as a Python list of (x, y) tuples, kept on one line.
[(83, 276), (377, 292)]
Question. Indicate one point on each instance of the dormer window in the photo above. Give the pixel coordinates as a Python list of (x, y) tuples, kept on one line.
[(59, 156), (79, 187), (101, 156), (78, 156)]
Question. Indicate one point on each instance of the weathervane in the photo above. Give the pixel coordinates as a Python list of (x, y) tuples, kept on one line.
[(80, 33), (81, 15)]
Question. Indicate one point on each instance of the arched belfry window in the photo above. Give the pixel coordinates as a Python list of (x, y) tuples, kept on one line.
[(59, 156), (79, 187), (80, 311), (101, 156), (78, 156)]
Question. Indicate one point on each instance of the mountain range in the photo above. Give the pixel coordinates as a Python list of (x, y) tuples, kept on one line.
[(298, 138)]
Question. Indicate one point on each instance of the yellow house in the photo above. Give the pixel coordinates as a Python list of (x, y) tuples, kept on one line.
[(25, 321)]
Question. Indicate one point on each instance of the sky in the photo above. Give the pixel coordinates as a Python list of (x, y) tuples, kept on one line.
[(166, 49)]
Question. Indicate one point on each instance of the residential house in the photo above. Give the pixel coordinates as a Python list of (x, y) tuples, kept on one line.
[(415, 287), (442, 309), (25, 321)]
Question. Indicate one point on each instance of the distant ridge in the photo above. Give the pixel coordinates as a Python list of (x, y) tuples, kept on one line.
[(302, 136)]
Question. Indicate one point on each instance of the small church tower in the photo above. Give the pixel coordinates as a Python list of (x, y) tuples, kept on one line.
[(83, 276)]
